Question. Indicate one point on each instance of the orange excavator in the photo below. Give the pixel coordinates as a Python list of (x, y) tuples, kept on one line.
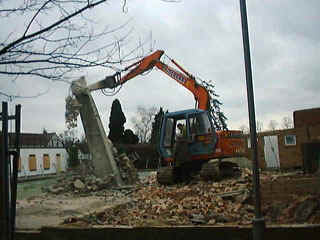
[(201, 142)]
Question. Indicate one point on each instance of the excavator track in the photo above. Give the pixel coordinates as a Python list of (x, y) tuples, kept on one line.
[(216, 170), (213, 170), (165, 175), (229, 169), (210, 171)]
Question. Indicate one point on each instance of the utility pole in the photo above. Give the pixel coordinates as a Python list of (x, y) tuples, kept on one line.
[(258, 221)]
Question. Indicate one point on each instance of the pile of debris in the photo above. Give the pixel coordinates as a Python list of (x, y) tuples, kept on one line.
[(75, 183), (128, 172), (83, 181), (302, 209), (200, 202)]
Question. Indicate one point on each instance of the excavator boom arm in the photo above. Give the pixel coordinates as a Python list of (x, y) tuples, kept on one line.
[(181, 76), (144, 65), (200, 93), (115, 80)]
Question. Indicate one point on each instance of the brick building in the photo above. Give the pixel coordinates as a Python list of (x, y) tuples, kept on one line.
[(298, 147), (306, 117)]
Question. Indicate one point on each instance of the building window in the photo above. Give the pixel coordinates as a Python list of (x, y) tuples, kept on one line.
[(32, 162), (46, 161), (58, 162), (290, 140)]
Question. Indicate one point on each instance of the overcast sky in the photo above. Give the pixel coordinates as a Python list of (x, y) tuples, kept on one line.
[(204, 36)]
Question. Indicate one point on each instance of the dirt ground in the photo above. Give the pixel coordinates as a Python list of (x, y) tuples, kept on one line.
[(45, 210), (199, 202), (36, 209)]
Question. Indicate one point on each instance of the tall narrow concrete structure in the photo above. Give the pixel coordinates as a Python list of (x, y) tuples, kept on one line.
[(99, 145)]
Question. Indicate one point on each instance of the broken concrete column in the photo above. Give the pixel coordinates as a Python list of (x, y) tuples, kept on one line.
[(99, 145)]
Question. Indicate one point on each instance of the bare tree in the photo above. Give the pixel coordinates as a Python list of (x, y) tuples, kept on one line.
[(55, 37), (67, 138), (69, 141), (244, 128), (142, 123), (273, 124), (287, 123)]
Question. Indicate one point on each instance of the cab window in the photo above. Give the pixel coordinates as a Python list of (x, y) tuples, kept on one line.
[(200, 124), (168, 133)]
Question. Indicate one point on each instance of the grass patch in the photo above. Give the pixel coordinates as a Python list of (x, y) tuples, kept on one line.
[(32, 188)]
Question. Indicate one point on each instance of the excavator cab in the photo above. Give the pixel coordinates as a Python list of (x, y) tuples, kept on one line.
[(198, 136)]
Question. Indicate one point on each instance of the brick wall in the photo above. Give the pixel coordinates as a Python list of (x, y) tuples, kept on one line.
[(306, 117), (306, 129), (312, 132), (290, 155), (283, 188)]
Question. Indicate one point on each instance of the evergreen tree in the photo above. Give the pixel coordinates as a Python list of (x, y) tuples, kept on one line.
[(219, 119), (73, 158), (156, 127), (129, 137), (116, 122)]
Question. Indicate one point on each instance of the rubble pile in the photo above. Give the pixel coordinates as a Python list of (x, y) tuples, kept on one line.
[(76, 183), (83, 180), (229, 201), (200, 202), (302, 209), (128, 172)]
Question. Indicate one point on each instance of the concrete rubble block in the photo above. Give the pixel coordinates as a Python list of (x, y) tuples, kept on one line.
[(305, 209), (245, 198), (78, 184), (99, 181), (55, 190), (115, 151), (127, 169), (198, 219)]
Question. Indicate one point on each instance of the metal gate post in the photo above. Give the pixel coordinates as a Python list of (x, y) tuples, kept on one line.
[(16, 156), (8, 175), (4, 173), (258, 221)]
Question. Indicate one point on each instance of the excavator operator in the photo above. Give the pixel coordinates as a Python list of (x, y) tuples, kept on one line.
[(182, 130), (182, 155)]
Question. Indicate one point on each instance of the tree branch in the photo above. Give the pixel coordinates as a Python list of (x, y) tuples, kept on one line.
[(57, 23), (34, 17)]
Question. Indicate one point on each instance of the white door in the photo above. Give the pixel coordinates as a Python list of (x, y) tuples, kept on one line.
[(271, 151)]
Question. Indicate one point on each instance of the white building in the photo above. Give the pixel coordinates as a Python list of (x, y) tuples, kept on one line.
[(40, 154)]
